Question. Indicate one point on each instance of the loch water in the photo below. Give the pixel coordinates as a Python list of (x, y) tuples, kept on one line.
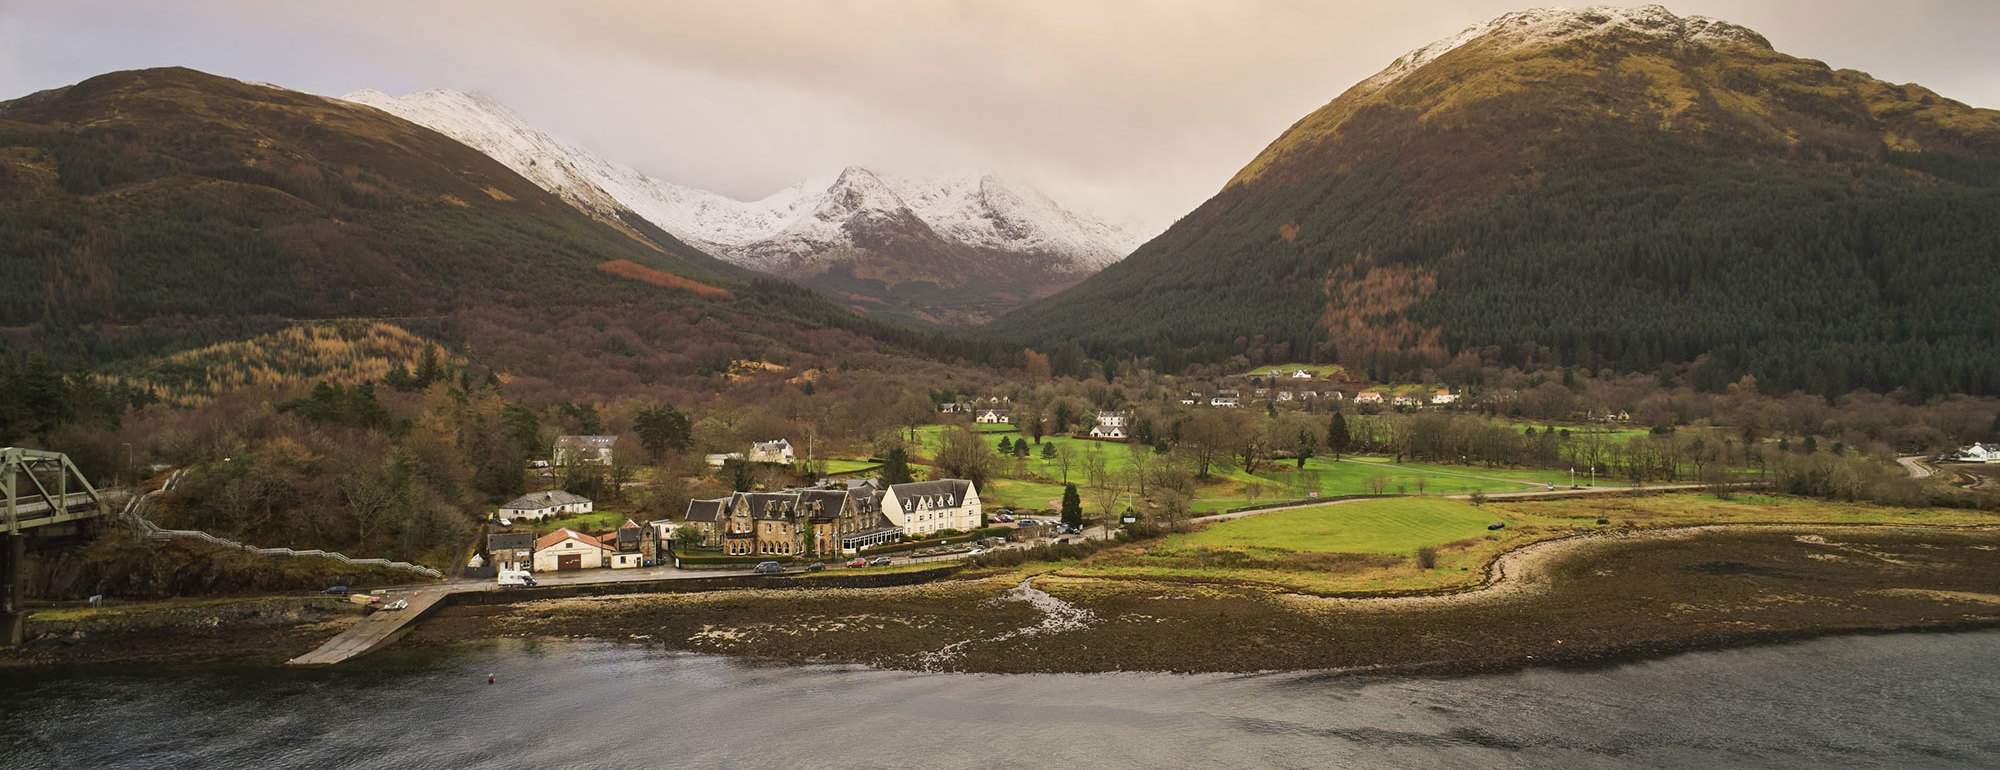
[(1892, 700)]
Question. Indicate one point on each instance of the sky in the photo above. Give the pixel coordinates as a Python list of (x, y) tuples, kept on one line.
[(1133, 111)]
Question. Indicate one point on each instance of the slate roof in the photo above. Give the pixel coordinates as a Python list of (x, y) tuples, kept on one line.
[(534, 501), (706, 510), (953, 490), (501, 541)]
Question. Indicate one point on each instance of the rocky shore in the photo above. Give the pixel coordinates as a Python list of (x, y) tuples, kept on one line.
[(1598, 598)]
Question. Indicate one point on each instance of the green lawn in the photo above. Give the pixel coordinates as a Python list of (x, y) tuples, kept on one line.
[(595, 522), (1393, 525), (1331, 478), (840, 467)]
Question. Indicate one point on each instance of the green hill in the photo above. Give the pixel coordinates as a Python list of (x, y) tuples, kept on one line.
[(156, 210), (1605, 188)]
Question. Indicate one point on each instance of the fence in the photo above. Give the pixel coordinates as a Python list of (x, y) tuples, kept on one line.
[(134, 513)]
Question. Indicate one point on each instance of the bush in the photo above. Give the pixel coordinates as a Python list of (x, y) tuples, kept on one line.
[(1427, 557)]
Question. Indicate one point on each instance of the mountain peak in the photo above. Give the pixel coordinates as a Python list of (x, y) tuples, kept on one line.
[(1551, 25)]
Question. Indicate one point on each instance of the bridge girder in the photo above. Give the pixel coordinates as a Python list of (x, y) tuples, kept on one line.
[(72, 499)]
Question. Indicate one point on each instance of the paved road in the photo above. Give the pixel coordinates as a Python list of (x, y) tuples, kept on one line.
[(1915, 466)]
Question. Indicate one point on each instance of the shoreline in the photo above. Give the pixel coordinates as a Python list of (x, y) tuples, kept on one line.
[(1546, 603)]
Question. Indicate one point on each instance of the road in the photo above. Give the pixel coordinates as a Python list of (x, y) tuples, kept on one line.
[(1914, 464)]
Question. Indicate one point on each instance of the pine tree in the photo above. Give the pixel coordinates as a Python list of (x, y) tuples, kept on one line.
[(896, 467), (1337, 438), (1072, 506)]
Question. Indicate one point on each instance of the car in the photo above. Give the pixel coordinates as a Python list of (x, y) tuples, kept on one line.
[(399, 604), (975, 552), (335, 591), (1497, 525), (857, 562), (769, 568), (1026, 523), (879, 561), (1003, 518), (815, 566)]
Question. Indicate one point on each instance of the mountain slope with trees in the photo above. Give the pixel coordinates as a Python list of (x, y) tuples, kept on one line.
[(153, 210), (1604, 188)]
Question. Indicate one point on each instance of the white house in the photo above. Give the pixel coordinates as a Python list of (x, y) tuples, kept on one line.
[(993, 417), (1226, 398), (583, 450), (779, 451), (541, 505), (1368, 397), (1977, 453), (1191, 398), (1284, 395), (1111, 419), (923, 507), (1443, 397), (718, 460), (1405, 399), (1302, 375), (568, 549), (1108, 431)]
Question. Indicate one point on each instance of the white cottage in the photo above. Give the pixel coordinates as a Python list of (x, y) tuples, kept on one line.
[(568, 549), (541, 505)]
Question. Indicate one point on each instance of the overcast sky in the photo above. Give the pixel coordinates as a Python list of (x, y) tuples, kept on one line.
[(1133, 110)]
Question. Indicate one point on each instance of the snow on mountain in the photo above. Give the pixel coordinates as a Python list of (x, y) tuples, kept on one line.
[(1541, 25), (786, 231)]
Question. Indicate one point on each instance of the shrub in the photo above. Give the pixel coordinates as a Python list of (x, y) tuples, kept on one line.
[(1427, 557)]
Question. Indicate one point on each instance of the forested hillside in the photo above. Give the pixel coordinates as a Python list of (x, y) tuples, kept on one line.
[(1604, 189), (149, 211)]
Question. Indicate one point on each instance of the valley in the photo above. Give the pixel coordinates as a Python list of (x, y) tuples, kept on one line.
[(1584, 336)]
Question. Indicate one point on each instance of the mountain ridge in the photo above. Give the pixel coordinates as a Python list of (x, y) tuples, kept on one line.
[(958, 233), (1607, 187)]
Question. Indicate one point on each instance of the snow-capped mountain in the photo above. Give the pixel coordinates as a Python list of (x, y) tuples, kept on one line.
[(857, 233), (1552, 25)]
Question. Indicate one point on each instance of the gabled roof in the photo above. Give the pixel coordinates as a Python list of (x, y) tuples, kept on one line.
[(546, 499), (555, 538), (952, 490), (500, 541), (706, 510), (768, 505)]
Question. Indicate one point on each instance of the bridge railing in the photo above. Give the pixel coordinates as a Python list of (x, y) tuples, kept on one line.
[(134, 513)]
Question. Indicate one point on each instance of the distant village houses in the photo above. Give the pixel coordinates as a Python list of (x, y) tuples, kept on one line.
[(582, 450), (993, 417), (1368, 397), (778, 451)]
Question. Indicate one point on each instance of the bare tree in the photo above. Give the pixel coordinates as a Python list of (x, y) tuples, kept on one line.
[(1376, 484), (1207, 437)]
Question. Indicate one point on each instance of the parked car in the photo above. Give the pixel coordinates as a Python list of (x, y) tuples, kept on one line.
[(336, 591), (1003, 518), (1025, 523), (879, 561), (399, 604), (815, 566), (769, 568), (1497, 525), (857, 562), (975, 552)]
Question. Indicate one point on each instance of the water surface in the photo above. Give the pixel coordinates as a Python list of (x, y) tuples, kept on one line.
[(1903, 700)]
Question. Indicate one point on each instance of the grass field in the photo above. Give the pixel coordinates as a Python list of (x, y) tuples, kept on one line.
[(1395, 525), (1369, 545), (841, 467), (588, 523)]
